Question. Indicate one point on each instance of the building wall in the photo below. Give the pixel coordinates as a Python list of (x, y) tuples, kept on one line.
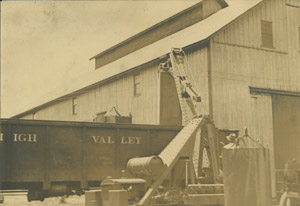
[(239, 61), (28, 116), (145, 109), (293, 38), (197, 72), (119, 94), (197, 65)]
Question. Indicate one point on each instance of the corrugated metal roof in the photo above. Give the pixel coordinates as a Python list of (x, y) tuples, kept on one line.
[(198, 32)]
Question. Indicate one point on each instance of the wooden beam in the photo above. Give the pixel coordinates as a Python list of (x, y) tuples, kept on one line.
[(267, 91)]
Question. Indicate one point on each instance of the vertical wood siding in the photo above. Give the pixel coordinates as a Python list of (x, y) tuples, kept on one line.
[(293, 38), (198, 75), (28, 116), (239, 61), (117, 94), (59, 111)]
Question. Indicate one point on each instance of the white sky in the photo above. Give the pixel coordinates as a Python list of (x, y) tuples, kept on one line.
[(46, 46)]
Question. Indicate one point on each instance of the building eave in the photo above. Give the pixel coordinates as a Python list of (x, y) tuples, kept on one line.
[(161, 25), (126, 41)]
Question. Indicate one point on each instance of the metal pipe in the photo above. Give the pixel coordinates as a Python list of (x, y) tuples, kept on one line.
[(186, 172), (152, 165)]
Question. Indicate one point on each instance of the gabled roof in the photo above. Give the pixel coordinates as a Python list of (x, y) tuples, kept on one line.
[(190, 15), (195, 34), (126, 41)]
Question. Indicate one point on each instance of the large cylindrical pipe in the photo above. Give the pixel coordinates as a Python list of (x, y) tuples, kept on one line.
[(58, 189), (152, 166)]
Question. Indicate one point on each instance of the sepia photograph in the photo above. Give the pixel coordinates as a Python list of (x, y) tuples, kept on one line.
[(150, 103)]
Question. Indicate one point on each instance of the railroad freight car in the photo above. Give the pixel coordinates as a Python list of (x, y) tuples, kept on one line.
[(52, 158)]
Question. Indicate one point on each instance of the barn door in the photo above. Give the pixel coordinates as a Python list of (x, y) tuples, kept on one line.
[(286, 120)]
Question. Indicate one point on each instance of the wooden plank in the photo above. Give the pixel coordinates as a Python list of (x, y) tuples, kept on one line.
[(204, 199)]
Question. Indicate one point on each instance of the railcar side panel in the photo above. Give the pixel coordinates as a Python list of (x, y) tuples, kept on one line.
[(160, 139), (100, 152), (131, 143), (3, 152), (25, 153), (65, 153), (45, 152)]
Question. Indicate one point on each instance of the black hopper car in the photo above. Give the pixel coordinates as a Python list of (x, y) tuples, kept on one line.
[(50, 158)]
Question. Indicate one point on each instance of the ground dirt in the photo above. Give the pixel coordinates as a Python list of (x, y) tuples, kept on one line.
[(21, 200)]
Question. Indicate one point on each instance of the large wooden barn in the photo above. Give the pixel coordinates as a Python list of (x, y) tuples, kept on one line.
[(243, 58)]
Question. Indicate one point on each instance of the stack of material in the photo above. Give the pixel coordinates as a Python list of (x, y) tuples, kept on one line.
[(246, 170), (113, 116)]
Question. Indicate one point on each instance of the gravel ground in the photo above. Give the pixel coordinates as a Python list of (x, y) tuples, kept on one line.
[(21, 200)]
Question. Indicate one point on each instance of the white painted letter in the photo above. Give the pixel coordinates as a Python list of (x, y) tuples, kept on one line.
[(95, 138), (34, 138), (123, 141), (20, 138), (138, 140), (102, 140), (110, 140), (30, 138), (15, 137), (1, 137), (130, 140)]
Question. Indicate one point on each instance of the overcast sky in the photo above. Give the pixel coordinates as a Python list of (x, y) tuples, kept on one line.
[(46, 46)]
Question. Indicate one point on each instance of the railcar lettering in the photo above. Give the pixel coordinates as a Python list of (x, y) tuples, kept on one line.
[(131, 140), (103, 140), (25, 138), (1, 137), (110, 140), (138, 140)]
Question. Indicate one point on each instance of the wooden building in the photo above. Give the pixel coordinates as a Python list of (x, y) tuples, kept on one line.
[(244, 60)]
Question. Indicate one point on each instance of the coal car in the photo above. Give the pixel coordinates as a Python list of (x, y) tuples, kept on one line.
[(51, 158)]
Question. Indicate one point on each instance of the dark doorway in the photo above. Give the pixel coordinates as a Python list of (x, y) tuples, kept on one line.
[(286, 120)]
